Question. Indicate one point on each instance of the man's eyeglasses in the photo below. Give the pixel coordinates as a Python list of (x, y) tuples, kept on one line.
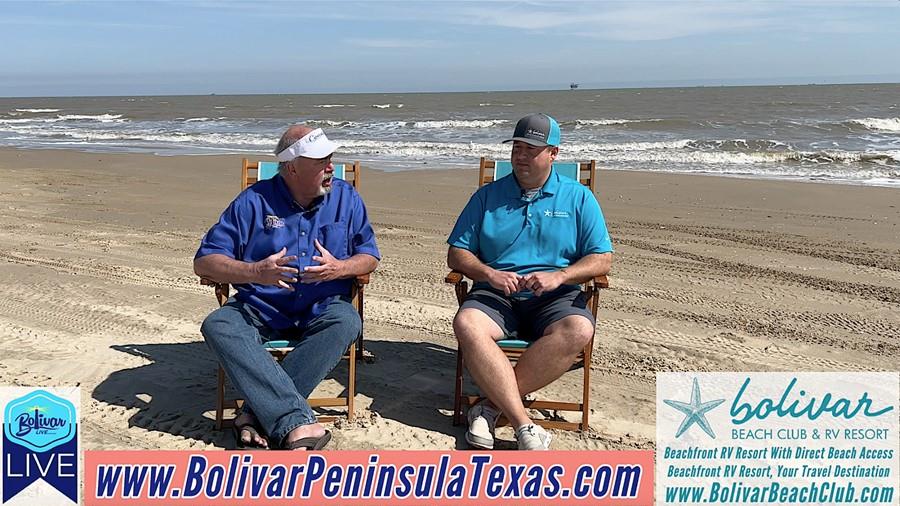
[(316, 161)]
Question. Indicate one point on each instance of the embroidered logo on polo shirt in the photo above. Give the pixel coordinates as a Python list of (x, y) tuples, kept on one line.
[(273, 221), (556, 214)]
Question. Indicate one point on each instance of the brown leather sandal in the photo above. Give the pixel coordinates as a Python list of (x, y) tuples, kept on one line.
[(255, 431), (310, 443)]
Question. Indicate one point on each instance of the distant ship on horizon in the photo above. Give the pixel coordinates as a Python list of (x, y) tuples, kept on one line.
[(573, 86)]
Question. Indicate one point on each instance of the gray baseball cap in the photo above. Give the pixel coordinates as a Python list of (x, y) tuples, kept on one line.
[(537, 130)]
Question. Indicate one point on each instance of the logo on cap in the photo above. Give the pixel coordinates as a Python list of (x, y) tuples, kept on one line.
[(314, 136), (536, 133)]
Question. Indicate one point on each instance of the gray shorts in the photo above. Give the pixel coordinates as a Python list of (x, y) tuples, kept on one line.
[(527, 318)]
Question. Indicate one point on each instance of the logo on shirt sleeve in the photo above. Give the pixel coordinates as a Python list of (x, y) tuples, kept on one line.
[(273, 221)]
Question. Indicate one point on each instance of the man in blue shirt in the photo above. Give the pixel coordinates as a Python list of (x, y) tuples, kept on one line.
[(528, 240), (292, 246)]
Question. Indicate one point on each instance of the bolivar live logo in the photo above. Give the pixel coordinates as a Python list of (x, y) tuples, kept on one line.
[(40, 442)]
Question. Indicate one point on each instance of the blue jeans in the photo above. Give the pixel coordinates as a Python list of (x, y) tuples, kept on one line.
[(277, 394)]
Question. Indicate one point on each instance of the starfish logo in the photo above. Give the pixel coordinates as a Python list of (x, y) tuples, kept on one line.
[(695, 411)]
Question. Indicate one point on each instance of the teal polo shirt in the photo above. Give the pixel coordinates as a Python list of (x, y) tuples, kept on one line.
[(559, 226)]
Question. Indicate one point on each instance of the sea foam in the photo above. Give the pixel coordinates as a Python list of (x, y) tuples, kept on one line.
[(879, 124)]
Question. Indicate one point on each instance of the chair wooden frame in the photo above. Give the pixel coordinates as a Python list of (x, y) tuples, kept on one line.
[(587, 176), (356, 351), (250, 174)]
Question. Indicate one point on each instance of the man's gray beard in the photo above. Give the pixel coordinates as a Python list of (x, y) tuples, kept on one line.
[(324, 190)]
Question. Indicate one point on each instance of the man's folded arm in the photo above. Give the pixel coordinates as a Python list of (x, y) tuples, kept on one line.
[(359, 264), (464, 261), (587, 268), (224, 269), (272, 270)]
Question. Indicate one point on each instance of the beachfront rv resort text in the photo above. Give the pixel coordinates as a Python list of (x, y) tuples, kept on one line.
[(755, 438)]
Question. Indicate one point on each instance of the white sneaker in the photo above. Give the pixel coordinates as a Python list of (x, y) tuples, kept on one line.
[(482, 420), (533, 437)]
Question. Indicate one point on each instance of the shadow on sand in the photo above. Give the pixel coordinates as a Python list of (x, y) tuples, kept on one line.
[(410, 382)]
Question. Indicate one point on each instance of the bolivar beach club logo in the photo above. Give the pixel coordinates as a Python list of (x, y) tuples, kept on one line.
[(773, 437), (40, 445)]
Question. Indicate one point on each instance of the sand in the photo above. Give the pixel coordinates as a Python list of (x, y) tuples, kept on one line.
[(710, 274)]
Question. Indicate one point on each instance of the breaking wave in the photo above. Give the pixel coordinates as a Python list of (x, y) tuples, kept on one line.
[(879, 124), (101, 118)]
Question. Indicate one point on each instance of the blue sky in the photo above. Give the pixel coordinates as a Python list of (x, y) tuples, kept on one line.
[(68, 48)]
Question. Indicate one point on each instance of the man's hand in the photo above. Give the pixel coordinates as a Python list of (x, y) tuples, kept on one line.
[(329, 268), (507, 282), (542, 282), (272, 270)]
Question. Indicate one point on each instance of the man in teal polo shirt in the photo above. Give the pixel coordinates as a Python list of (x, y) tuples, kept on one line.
[(528, 240)]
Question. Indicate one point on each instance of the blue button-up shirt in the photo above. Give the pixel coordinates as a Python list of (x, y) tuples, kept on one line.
[(559, 226), (265, 218)]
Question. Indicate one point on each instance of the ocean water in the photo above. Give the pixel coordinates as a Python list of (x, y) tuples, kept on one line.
[(837, 133)]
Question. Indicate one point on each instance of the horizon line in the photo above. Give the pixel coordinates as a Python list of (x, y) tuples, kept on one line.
[(648, 85)]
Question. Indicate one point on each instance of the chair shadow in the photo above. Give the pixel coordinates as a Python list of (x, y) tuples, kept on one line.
[(173, 393), (411, 383)]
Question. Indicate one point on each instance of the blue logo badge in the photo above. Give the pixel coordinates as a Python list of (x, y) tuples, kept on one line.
[(40, 421), (40, 442)]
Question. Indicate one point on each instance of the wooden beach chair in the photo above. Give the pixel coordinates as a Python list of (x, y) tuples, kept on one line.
[(491, 170), (251, 172)]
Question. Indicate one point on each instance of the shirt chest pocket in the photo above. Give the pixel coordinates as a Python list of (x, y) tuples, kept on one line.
[(333, 237)]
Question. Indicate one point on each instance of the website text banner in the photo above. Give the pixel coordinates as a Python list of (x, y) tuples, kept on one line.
[(777, 438), (369, 478)]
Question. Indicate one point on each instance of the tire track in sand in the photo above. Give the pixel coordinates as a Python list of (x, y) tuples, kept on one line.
[(744, 271), (109, 272), (771, 358)]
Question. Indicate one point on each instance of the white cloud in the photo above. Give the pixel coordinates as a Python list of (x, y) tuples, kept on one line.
[(608, 19), (625, 21)]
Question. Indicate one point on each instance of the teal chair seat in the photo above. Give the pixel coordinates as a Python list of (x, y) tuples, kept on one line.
[(274, 345), (513, 343)]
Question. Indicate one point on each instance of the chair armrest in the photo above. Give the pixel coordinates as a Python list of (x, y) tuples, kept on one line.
[(601, 281), (453, 277), (460, 285), (222, 289)]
